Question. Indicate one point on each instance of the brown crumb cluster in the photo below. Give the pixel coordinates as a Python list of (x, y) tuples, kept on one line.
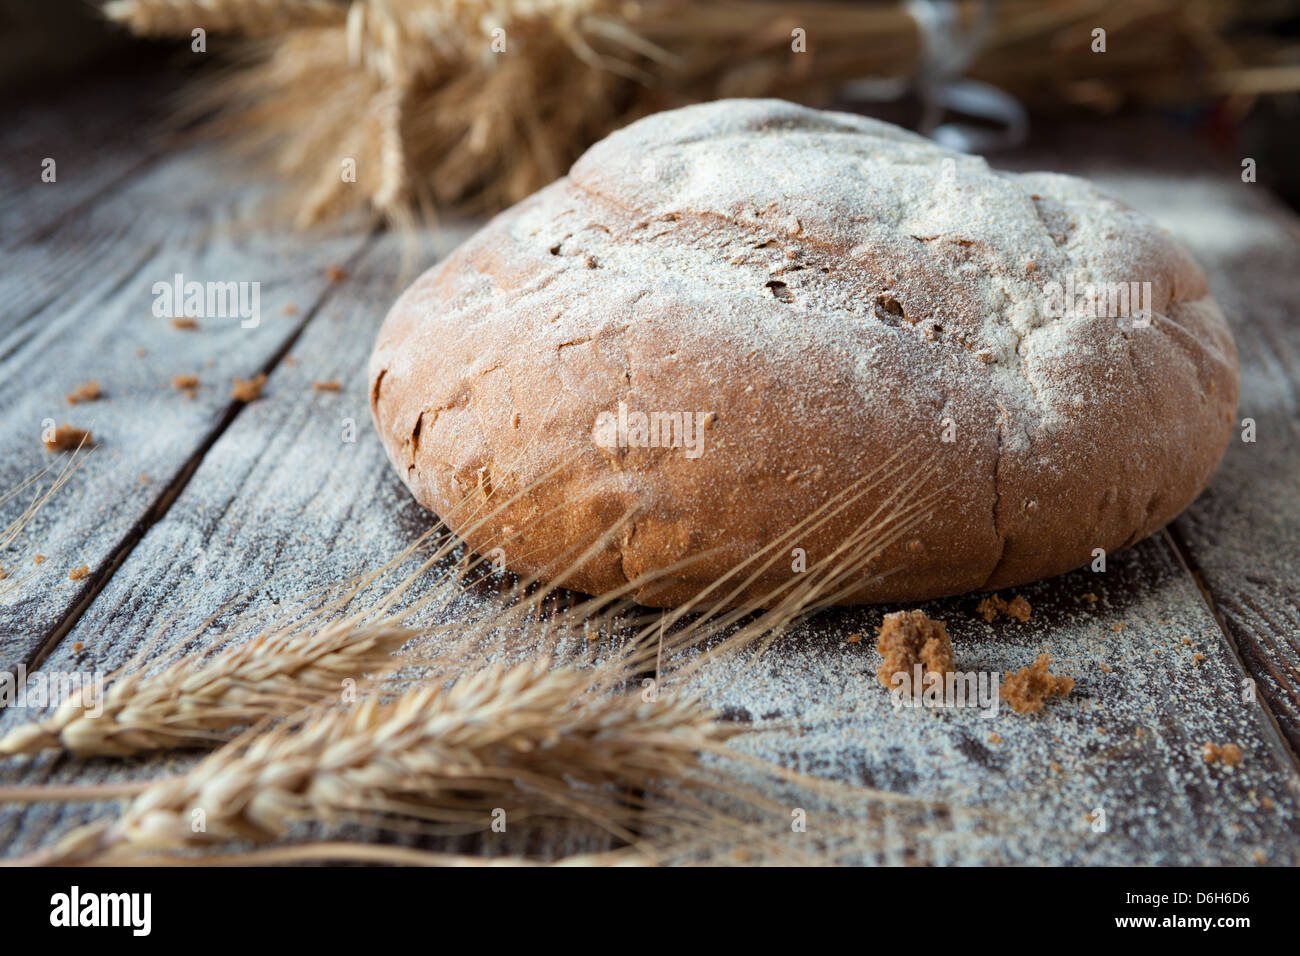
[(184, 322), (248, 389), (908, 638), (1029, 688), (1228, 754), (77, 574), (87, 392), (331, 386), (66, 438), (992, 606), (185, 382)]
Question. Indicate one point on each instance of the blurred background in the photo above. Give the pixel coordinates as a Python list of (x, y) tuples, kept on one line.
[(469, 106)]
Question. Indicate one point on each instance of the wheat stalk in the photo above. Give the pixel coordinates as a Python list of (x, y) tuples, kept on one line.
[(249, 17), (196, 702), (527, 738), (13, 530)]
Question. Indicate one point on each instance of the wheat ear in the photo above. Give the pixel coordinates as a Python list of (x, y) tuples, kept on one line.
[(249, 17), (193, 702), (536, 740)]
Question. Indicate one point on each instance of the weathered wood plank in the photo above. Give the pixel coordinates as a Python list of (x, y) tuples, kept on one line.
[(91, 318)]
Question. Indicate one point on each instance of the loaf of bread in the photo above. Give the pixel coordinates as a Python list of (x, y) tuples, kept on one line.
[(744, 346)]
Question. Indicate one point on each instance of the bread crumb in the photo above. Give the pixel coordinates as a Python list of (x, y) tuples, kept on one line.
[(65, 438), (336, 273), (76, 574), (1028, 689), (992, 606), (3, 574), (1198, 658), (908, 638), (39, 559), (995, 738), (1229, 754), (1259, 857), (1187, 640), (143, 477), (1117, 626), (87, 392), (1055, 766), (78, 647), (331, 386), (290, 309), (185, 382), (1090, 598), (184, 322), (248, 389), (853, 639), (1266, 803)]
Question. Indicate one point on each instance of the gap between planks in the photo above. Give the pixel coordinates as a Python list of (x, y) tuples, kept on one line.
[(1268, 720), (182, 478)]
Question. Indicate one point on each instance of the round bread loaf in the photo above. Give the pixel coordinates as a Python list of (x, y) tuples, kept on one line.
[(812, 346)]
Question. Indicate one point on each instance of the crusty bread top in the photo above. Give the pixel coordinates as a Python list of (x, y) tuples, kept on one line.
[(832, 289)]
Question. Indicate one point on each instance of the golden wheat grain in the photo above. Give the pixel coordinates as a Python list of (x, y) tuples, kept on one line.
[(193, 702)]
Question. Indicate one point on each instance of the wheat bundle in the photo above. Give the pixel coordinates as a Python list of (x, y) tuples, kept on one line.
[(528, 739), (474, 104)]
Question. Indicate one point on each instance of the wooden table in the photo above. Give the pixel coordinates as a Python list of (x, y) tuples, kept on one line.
[(187, 504)]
